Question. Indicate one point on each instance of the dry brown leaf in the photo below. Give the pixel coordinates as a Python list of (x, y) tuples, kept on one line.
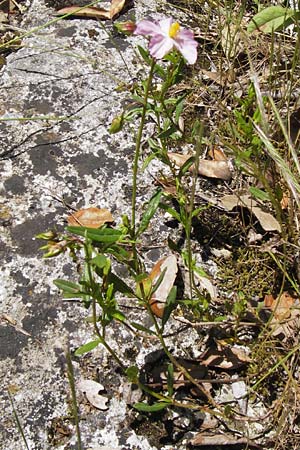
[(207, 168), (225, 357), (116, 7), (267, 221), (159, 298), (206, 284), (90, 11), (217, 154), (204, 439), (168, 185), (94, 12), (286, 313), (281, 306), (90, 217), (221, 78), (285, 201)]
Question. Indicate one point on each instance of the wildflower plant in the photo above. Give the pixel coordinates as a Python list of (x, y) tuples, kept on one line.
[(99, 286)]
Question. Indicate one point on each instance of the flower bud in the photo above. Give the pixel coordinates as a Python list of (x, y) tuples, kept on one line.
[(125, 27), (117, 124), (48, 235)]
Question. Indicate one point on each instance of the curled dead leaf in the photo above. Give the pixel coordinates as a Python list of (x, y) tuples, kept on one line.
[(116, 7), (206, 284), (286, 313), (92, 390), (281, 306), (159, 297), (94, 12), (215, 439), (267, 221), (90, 217), (217, 154), (90, 11), (207, 168)]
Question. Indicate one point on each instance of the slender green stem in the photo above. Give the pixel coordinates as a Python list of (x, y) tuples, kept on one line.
[(278, 364), (188, 225), (174, 361), (75, 414), (19, 425), (94, 311), (138, 147)]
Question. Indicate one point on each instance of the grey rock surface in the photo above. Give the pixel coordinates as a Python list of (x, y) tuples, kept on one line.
[(67, 71)]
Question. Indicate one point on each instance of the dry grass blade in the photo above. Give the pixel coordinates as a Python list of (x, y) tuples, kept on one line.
[(286, 172)]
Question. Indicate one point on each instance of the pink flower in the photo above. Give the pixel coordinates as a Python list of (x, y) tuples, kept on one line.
[(166, 35)]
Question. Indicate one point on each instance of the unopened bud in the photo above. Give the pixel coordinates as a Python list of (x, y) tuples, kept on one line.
[(47, 235), (54, 248), (117, 124), (125, 27)]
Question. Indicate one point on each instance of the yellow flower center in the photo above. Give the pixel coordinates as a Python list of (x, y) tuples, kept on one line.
[(174, 29)]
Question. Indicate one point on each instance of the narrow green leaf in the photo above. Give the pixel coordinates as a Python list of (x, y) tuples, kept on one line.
[(104, 235), (198, 211), (170, 379), (167, 133), (87, 347), (150, 211), (179, 108), (147, 161), (83, 295), (271, 19), (171, 211), (144, 54), (186, 166), (118, 316), (170, 305), (141, 277), (259, 194), (68, 286), (150, 408), (159, 70), (119, 284), (140, 327)]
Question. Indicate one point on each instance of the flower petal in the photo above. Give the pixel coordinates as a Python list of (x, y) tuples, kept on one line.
[(165, 25), (147, 28), (160, 46), (187, 45)]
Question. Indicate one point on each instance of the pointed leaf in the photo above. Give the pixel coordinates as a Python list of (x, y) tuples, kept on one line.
[(119, 284), (68, 286), (150, 408), (105, 235), (170, 305), (150, 211), (87, 347), (140, 327), (271, 19)]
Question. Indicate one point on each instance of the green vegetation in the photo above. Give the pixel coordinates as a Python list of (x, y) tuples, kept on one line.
[(238, 101)]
